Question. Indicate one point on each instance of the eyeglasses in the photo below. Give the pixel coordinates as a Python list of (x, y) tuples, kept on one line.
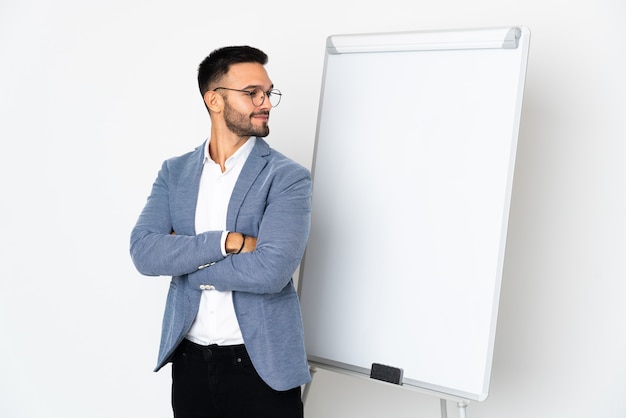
[(258, 96)]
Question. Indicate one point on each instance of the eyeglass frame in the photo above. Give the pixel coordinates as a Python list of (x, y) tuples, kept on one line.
[(250, 93)]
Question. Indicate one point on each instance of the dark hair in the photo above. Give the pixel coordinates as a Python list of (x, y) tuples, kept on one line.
[(217, 64)]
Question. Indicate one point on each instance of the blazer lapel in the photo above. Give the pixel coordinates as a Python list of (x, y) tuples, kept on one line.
[(250, 171)]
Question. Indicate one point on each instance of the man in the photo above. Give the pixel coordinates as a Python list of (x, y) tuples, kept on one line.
[(229, 222)]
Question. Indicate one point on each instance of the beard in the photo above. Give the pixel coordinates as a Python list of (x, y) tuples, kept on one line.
[(241, 124)]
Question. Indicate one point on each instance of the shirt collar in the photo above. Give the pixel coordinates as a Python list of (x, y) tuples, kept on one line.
[(242, 152)]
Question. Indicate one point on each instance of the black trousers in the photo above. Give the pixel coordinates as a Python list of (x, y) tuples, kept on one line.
[(221, 382)]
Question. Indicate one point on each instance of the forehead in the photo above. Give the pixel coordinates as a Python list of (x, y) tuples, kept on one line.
[(247, 74)]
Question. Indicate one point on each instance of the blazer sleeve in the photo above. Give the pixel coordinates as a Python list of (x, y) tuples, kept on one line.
[(154, 250)]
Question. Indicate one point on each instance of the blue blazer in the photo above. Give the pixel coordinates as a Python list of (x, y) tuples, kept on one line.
[(271, 201)]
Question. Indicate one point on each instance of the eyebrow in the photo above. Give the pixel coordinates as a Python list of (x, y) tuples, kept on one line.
[(256, 86)]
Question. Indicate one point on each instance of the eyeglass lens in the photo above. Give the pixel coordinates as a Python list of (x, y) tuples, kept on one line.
[(258, 97)]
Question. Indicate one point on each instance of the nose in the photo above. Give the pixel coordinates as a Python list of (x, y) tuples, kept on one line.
[(265, 103)]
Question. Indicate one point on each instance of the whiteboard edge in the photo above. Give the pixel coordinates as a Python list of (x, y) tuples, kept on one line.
[(485, 38), (525, 44), (408, 384)]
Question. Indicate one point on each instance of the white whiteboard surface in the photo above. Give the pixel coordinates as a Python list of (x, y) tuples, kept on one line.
[(412, 175)]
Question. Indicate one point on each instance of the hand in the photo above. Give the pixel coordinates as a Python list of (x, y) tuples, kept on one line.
[(250, 244), (236, 244)]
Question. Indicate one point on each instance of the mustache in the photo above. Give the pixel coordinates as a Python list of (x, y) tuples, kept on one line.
[(262, 113)]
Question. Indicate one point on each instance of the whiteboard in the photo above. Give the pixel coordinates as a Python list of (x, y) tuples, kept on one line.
[(412, 174)]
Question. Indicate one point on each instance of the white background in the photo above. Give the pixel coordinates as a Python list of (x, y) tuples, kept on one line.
[(94, 95)]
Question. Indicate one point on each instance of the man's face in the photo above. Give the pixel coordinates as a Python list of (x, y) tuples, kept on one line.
[(241, 115)]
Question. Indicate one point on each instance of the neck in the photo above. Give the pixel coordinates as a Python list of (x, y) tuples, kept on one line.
[(222, 147)]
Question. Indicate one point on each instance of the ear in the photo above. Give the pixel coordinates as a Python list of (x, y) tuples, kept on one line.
[(213, 101)]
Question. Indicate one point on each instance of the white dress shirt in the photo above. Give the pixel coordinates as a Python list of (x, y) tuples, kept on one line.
[(216, 322)]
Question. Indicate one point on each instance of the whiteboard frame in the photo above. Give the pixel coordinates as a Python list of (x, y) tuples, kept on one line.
[(516, 38)]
